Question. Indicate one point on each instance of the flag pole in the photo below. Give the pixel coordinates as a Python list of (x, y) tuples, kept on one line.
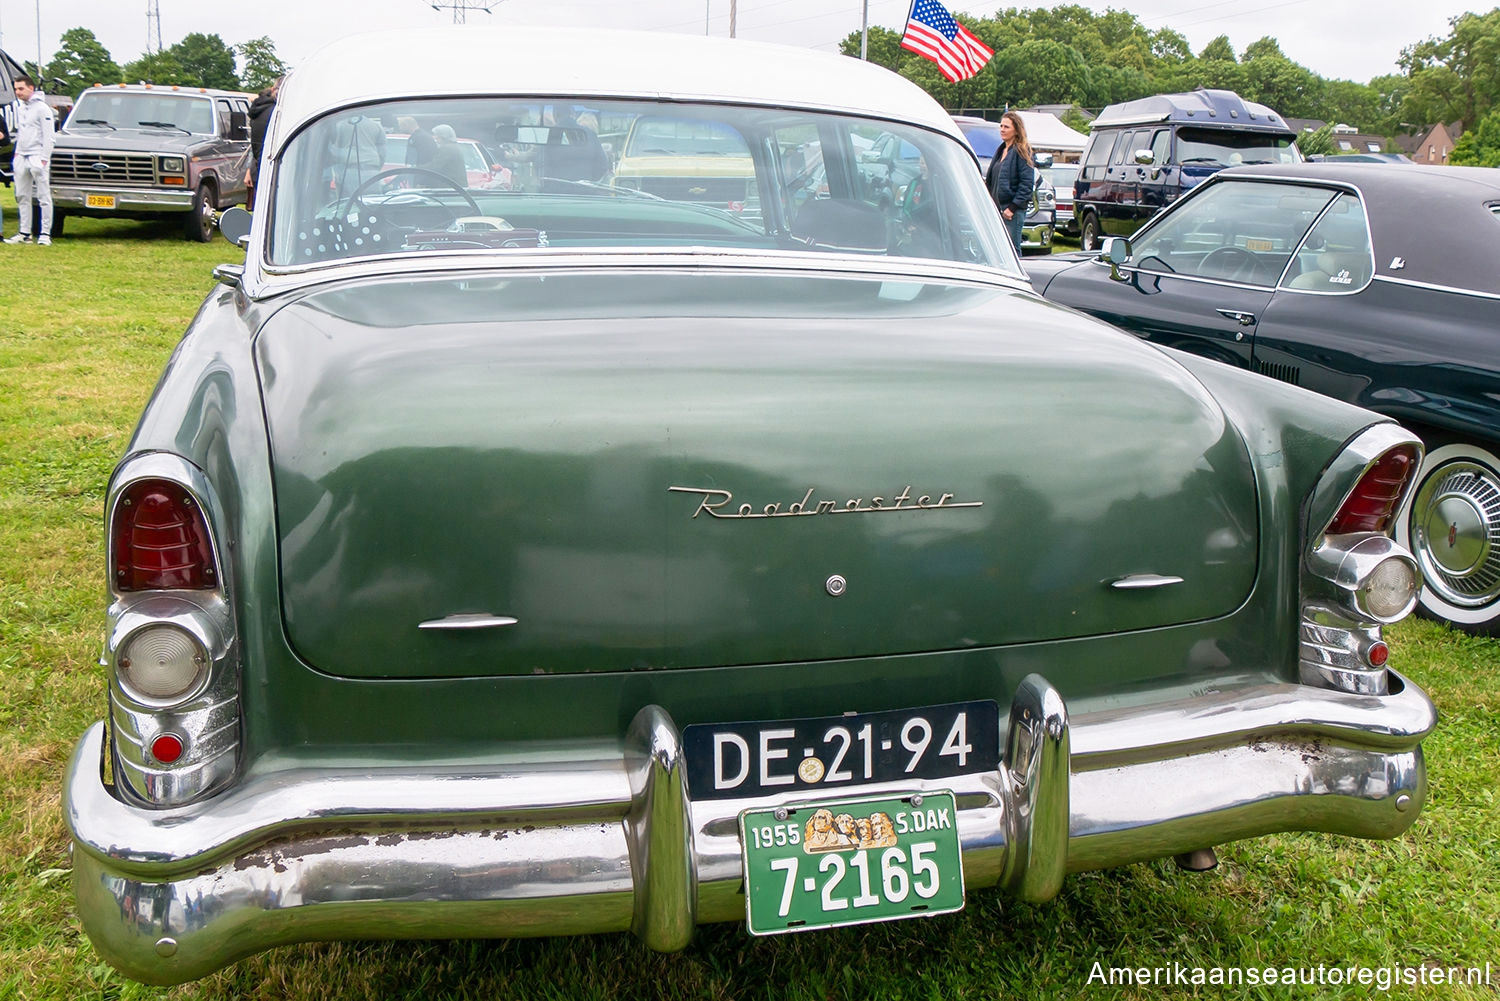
[(864, 32)]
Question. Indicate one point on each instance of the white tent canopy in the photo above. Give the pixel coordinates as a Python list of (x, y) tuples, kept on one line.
[(1047, 132)]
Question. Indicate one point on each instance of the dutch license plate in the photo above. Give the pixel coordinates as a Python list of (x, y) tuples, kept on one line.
[(99, 201), (744, 760), (851, 862)]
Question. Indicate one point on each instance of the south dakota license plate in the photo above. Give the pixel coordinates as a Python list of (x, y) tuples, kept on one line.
[(850, 862)]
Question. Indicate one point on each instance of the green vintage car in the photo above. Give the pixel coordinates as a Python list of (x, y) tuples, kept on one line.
[(565, 558)]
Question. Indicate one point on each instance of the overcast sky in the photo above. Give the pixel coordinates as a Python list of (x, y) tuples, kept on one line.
[(1347, 39)]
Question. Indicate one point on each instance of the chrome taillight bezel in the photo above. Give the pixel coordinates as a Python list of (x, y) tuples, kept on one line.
[(1338, 626), (206, 715)]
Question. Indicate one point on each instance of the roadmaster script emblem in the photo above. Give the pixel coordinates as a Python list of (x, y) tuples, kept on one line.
[(714, 502)]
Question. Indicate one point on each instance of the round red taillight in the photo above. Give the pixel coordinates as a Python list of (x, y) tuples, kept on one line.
[(166, 748), (1378, 654)]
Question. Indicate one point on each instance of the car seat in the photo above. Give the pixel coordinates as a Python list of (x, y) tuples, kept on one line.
[(1335, 271), (837, 224)]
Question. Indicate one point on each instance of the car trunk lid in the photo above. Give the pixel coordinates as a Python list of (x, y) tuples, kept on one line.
[(686, 469)]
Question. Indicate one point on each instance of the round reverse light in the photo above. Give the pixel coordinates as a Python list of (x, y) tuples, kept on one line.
[(161, 664), (166, 748), (1390, 589)]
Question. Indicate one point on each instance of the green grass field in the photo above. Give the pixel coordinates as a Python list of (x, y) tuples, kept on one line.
[(87, 325)]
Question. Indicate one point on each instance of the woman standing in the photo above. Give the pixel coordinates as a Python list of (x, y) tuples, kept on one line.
[(1012, 176)]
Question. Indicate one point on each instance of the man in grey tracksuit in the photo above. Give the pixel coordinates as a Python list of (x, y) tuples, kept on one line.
[(35, 134)]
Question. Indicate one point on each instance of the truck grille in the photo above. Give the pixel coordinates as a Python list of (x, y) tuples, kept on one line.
[(118, 168), (710, 190)]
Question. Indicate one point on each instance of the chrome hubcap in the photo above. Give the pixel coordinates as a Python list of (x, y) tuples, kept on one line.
[(1456, 528)]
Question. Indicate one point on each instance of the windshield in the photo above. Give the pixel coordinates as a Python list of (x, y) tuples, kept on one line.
[(1230, 148), (625, 175), (134, 110)]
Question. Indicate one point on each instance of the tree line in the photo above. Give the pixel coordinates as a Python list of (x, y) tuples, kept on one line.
[(1072, 56), (1063, 55), (198, 60)]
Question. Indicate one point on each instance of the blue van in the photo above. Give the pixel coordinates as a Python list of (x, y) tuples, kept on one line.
[(1143, 155)]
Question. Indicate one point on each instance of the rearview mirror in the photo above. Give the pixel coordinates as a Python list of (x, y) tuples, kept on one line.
[(1115, 251), (234, 223), (1144, 157)]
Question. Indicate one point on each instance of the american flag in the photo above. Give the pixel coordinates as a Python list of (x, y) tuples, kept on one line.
[(932, 32)]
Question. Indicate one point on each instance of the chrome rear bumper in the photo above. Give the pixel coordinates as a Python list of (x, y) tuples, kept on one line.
[(616, 844)]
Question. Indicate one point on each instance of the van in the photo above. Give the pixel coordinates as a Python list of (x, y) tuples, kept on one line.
[(1143, 155)]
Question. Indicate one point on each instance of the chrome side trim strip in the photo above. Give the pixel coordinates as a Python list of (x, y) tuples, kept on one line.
[(1433, 287)]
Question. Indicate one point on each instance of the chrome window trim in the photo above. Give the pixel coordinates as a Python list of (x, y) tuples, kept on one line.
[(261, 285), (1364, 213)]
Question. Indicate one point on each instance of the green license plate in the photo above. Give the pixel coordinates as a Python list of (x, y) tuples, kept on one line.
[(851, 862)]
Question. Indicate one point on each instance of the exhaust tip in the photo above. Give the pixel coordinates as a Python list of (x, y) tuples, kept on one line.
[(1201, 860)]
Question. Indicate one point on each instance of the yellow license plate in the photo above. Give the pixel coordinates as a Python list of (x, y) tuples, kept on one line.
[(99, 201)]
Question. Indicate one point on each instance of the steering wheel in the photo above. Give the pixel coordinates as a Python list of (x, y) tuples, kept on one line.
[(1235, 262), (352, 234)]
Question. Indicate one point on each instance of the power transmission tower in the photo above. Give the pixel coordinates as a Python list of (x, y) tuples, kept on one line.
[(153, 27), (461, 8)]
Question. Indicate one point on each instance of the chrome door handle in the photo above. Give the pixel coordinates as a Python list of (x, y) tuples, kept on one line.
[(1245, 319)]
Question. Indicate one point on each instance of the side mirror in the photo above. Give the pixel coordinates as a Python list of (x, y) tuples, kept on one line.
[(1144, 157), (234, 223), (239, 125), (1115, 251), (1044, 159)]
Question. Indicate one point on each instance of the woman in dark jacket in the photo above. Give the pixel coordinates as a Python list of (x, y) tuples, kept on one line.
[(1012, 175), (260, 118)]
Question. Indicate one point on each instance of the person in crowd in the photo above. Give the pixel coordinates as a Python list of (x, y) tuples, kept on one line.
[(1012, 175), (420, 146), (260, 119), (449, 158), (358, 152), (35, 129)]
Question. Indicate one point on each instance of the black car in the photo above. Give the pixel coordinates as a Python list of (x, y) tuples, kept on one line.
[(1376, 286)]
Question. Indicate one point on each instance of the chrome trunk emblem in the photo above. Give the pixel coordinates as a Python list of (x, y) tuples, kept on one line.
[(713, 500)]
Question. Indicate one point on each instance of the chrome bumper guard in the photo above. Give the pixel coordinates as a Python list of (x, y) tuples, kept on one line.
[(172, 895)]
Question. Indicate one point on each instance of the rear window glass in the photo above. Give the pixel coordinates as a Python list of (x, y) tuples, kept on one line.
[(1232, 147), (1336, 256), (623, 175)]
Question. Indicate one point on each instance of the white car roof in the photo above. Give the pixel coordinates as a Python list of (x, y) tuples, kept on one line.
[(468, 60)]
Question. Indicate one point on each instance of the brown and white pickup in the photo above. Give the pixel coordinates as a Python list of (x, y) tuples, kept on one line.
[(144, 151)]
